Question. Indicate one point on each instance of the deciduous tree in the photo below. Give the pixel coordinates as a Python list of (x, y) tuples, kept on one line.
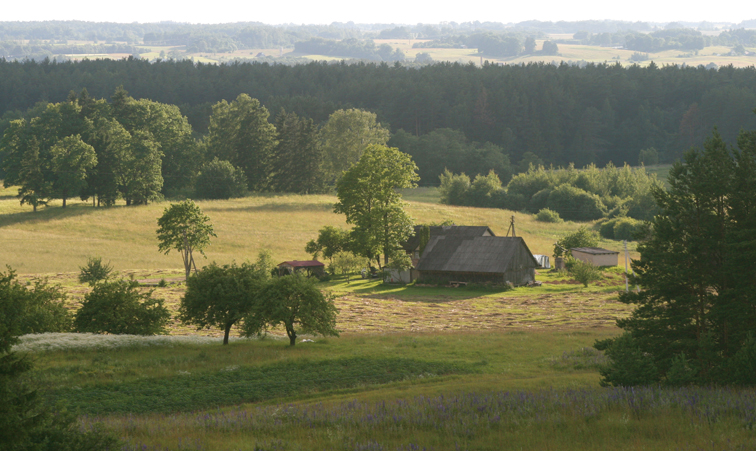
[(184, 228), (368, 197), (295, 303), (345, 137)]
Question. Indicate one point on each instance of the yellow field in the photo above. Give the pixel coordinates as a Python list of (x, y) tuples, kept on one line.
[(56, 240)]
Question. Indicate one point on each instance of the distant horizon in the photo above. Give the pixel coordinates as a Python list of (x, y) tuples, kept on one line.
[(302, 12)]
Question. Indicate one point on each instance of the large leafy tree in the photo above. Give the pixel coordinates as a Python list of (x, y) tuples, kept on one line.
[(184, 228), (296, 163), (368, 197), (345, 137), (239, 132), (220, 296), (697, 305), (295, 303), (71, 159)]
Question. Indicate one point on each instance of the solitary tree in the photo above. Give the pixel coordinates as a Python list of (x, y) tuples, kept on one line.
[(368, 197), (220, 296), (184, 228), (295, 303)]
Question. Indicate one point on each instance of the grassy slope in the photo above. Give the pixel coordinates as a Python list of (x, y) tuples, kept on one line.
[(57, 240)]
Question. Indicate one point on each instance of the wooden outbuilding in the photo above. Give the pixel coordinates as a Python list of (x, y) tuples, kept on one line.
[(311, 267), (596, 256), (481, 259)]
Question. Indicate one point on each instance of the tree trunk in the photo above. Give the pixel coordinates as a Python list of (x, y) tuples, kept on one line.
[(64, 202), (226, 332), (292, 336)]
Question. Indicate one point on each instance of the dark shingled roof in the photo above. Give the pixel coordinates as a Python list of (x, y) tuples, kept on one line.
[(450, 231), (593, 250), (482, 254)]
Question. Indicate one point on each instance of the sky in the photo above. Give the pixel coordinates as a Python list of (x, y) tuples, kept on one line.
[(384, 11)]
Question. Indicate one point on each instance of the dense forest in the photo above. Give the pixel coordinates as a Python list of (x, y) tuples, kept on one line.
[(559, 114)]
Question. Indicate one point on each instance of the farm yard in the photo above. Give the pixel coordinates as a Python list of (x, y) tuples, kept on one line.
[(415, 367)]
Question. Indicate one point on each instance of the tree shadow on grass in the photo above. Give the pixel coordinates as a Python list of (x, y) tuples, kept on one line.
[(412, 293), (272, 206), (46, 214)]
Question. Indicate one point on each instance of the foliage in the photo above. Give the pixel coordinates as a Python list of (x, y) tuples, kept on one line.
[(547, 215), (220, 296), (628, 364), (26, 311), (94, 271), (219, 179), (399, 261), (184, 228), (295, 303), (118, 307), (240, 133), (550, 48), (648, 156), (453, 188), (447, 148), (584, 272), (346, 136), (368, 197), (581, 238), (576, 204), (297, 160), (347, 263), (331, 240), (71, 159), (695, 313)]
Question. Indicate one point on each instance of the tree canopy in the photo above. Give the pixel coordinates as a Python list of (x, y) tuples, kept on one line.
[(368, 197), (184, 228)]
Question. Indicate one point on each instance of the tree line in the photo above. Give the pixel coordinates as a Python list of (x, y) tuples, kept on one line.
[(142, 150), (667, 39), (562, 114)]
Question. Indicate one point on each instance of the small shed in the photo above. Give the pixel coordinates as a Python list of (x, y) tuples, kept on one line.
[(311, 267), (596, 255), (492, 259)]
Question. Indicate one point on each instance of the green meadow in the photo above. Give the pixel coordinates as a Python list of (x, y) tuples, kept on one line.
[(415, 367)]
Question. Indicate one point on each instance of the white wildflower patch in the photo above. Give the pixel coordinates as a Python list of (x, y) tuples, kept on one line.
[(74, 341), (231, 368)]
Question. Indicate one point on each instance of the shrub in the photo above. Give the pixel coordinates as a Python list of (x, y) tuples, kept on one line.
[(606, 229), (628, 365), (94, 271), (626, 228), (27, 311), (118, 307), (539, 200), (453, 188), (219, 179), (584, 272), (546, 215), (575, 204), (581, 238), (648, 156)]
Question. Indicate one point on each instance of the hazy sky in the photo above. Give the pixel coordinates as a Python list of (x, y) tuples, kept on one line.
[(384, 11)]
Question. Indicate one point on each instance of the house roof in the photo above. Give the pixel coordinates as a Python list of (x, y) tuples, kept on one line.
[(482, 254), (593, 250), (451, 231), (302, 263)]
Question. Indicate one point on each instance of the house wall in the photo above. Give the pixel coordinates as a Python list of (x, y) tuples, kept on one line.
[(598, 260)]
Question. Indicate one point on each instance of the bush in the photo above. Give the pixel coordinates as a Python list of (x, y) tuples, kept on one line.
[(584, 272), (118, 307), (453, 188), (547, 215), (628, 365), (626, 228), (219, 179), (29, 311), (606, 229), (648, 156), (575, 204), (581, 238), (539, 200), (94, 271)]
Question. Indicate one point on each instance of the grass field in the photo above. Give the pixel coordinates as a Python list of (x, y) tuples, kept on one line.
[(415, 367)]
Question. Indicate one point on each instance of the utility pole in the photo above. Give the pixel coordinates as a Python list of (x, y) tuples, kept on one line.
[(511, 227), (627, 289)]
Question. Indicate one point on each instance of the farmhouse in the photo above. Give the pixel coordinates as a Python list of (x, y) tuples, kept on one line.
[(596, 256), (482, 259), (412, 245), (311, 267)]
